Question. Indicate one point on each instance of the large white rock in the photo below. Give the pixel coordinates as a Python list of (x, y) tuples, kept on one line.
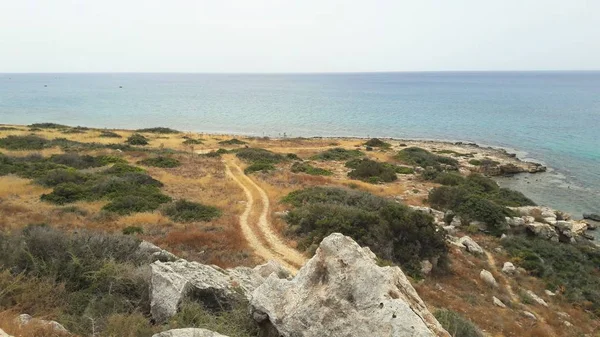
[(536, 298), (470, 245), (488, 278), (188, 332), (25, 319), (509, 268), (542, 230), (342, 292), (515, 221), (497, 302), (171, 282)]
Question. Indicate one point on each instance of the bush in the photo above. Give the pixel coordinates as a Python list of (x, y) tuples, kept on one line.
[(48, 126), (65, 193), (129, 230), (375, 142), (60, 176), (137, 139), (158, 130), (255, 155), (404, 170), (299, 167), (77, 161), (259, 167), (233, 141), (29, 142), (135, 203), (476, 208), (109, 134), (191, 141), (337, 154), (160, 161), (475, 162), (457, 325), (187, 211), (121, 169), (449, 179), (372, 171), (393, 231), (420, 157)]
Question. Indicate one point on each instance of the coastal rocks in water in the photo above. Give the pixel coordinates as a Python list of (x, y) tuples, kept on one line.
[(536, 298), (542, 230), (488, 278), (25, 319), (342, 291), (509, 268), (470, 244), (592, 216), (171, 282), (188, 332), (592, 225), (497, 302)]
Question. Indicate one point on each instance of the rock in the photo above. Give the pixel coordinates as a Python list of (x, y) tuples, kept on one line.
[(502, 237), (155, 252), (4, 334), (426, 267), (515, 221), (342, 291), (529, 315), (536, 298), (509, 268), (188, 332), (547, 213), (542, 230), (563, 314), (591, 216), (25, 319), (471, 245), (528, 219), (579, 227), (272, 267), (450, 229), (592, 225), (456, 221), (549, 293), (282, 214), (438, 215), (498, 303), (567, 324), (563, 225), (216, 288), (488, 278)]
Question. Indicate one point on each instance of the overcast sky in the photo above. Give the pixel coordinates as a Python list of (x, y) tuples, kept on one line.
[(298, 36)]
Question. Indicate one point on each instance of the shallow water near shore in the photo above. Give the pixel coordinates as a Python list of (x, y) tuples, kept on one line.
[(553, 117)]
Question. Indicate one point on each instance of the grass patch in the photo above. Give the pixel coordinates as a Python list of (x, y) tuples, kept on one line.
[(371, 171), (187, 211), (393, 231), (456, 324), (405, 170), (454, 153), (420, 157), (161, 130), (29, 142), (376, 142), (8, 128), (191, 141), (233, 141), (137, 139), (236, 322), (109, 134), (254, 155), (337, 154), (302, 167), (48, 126), (259, 167), (160, 161)]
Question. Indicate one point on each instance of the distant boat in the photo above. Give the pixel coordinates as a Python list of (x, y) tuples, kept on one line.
[(45, 85), (120, 87)]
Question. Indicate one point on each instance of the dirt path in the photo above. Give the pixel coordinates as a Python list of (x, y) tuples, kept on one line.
[(492, 263), (258, 232)]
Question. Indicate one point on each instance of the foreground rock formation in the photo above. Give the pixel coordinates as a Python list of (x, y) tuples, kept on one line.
[(189, 332), (342, 292)]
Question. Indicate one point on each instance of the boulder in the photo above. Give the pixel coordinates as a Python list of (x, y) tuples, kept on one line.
[(155, 252), (509, 268), (471, 245), (515, 221), (497, 302), (563, 225), (450, 229), (188, 332), (438, 215), (592, 225), (339, 292), (4, 334), (529, 315), (528, 219), (426, 267), (25, 319), (547, 213), (536, 298), (579, 227), (456, 221), (214, 287), (591, 216), (488, 278), (544, 231)]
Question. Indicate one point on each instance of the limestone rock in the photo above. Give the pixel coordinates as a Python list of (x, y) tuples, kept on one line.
[(529, 315), (171, 282), (438, 215), (188, 332), (488, 278), (544, 231), (536, 298), (426, 267), (471, 245), (509, 268), (4, 334), (341, 292), (25, 319), (515, 221), (498, 303), (155, 252), (592, 225), (549, 293)]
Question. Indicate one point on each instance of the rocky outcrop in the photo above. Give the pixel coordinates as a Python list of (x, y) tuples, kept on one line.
[(471, 246), (437, 215), (340, 292), (488, 278), (214, 287), (592, 216), (509, 268), (536, 298), (189, 332), (25, 319), (542, 230), (550, 224), (156, 253)]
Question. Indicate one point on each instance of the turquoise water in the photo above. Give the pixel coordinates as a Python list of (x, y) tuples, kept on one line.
[(553, 117)]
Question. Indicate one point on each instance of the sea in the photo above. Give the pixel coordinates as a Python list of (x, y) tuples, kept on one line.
[(548, 117)]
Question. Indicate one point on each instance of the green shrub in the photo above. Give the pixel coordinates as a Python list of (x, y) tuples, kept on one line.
[(376, 142), (109, 134), (187, 211), (420, 157), (259, 167), (476, 208), (161, 161), (29, 142), (371, 171), (48, 126), (135, 203), (62, 176), (449, 179), (137, 139), (337, 154), (510, 198), (393, 231), (130, 230), (255, 155), (65, 193), (106, 160), (121, 168), (76, 160), (404, 170), (301, 167), (191, 141), (233, 141), (475, 162), (162, 130), (457, 325)]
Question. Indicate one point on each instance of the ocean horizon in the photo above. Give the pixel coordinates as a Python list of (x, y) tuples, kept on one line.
[(550, 117)]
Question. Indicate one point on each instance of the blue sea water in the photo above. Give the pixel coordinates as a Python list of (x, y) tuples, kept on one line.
[(552, 117)]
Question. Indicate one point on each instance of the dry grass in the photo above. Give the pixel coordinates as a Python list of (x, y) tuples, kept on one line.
[(13, 328)]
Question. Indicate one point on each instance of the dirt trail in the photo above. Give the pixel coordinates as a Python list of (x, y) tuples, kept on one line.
[(492, 262), (259, 233)]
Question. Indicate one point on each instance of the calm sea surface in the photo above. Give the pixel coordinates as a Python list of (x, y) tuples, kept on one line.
[(552, 117)]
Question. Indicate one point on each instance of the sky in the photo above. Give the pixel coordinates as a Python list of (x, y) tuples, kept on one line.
[(266, 36)]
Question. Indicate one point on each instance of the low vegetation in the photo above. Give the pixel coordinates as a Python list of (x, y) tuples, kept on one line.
[(137, 139), (191, 141), (160, 161), (30, 142), (109, 134), (337, 154), (162, 130), (457, 325), (233, 141), (393, 231), (187, 211), (571, 270), (304, 167), (371, 171), (260, 160), (420, 157), (376, 142)]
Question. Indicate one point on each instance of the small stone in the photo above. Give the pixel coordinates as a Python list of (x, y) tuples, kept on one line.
[(426, 267), (536, 298), (529, 315), (549, 293), (567, 324), (509, 268), (488, 278), (498, 303)]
